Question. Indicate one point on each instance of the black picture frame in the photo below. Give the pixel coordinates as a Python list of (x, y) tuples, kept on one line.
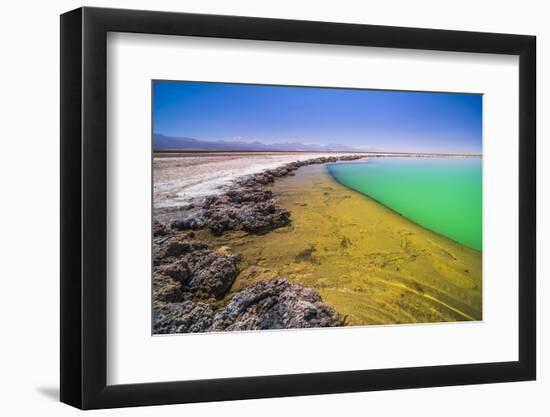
[(84, 207)]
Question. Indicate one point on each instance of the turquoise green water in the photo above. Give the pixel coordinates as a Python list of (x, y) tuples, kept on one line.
[(442, 194)]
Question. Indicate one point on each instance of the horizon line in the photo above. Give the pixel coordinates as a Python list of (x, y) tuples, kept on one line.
[(289, 141), (171, 151)]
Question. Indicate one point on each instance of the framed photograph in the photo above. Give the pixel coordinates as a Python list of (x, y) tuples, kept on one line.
[(257, 208)]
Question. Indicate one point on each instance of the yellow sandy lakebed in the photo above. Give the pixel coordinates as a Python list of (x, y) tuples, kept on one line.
[(368, 262)]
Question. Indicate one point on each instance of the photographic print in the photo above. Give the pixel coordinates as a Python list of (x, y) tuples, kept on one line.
[(291, 207)]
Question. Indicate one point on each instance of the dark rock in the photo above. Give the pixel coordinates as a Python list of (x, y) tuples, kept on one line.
[(159, 229), (269, 175), (165, 289), (176, 246), (192, 223), (221, 220), (275, 304), (248, 182), (279, 172), (263, 217), (249, 195), (251, 216), (178, 270), (216, 200), (204, 272), (212, 273), (184, 317), (263, 178)]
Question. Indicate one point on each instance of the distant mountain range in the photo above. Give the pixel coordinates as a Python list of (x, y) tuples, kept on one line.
[(171, 143)]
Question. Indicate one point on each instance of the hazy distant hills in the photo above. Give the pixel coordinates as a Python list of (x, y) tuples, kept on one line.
[(171, 143)]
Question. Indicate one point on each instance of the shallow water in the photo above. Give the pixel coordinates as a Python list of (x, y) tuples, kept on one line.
[(442, 194), (368, 262)]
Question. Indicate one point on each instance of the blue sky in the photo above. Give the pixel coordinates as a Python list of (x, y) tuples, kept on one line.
[(365, 119)]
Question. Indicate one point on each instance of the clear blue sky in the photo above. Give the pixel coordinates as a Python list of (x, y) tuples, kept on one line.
[(366, 119)]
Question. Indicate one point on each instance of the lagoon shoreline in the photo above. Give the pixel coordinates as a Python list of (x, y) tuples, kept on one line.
[(187, 289), (194, 295), (180, 177)]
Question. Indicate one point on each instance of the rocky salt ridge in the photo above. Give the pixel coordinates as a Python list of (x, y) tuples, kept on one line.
[(189, 278)]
